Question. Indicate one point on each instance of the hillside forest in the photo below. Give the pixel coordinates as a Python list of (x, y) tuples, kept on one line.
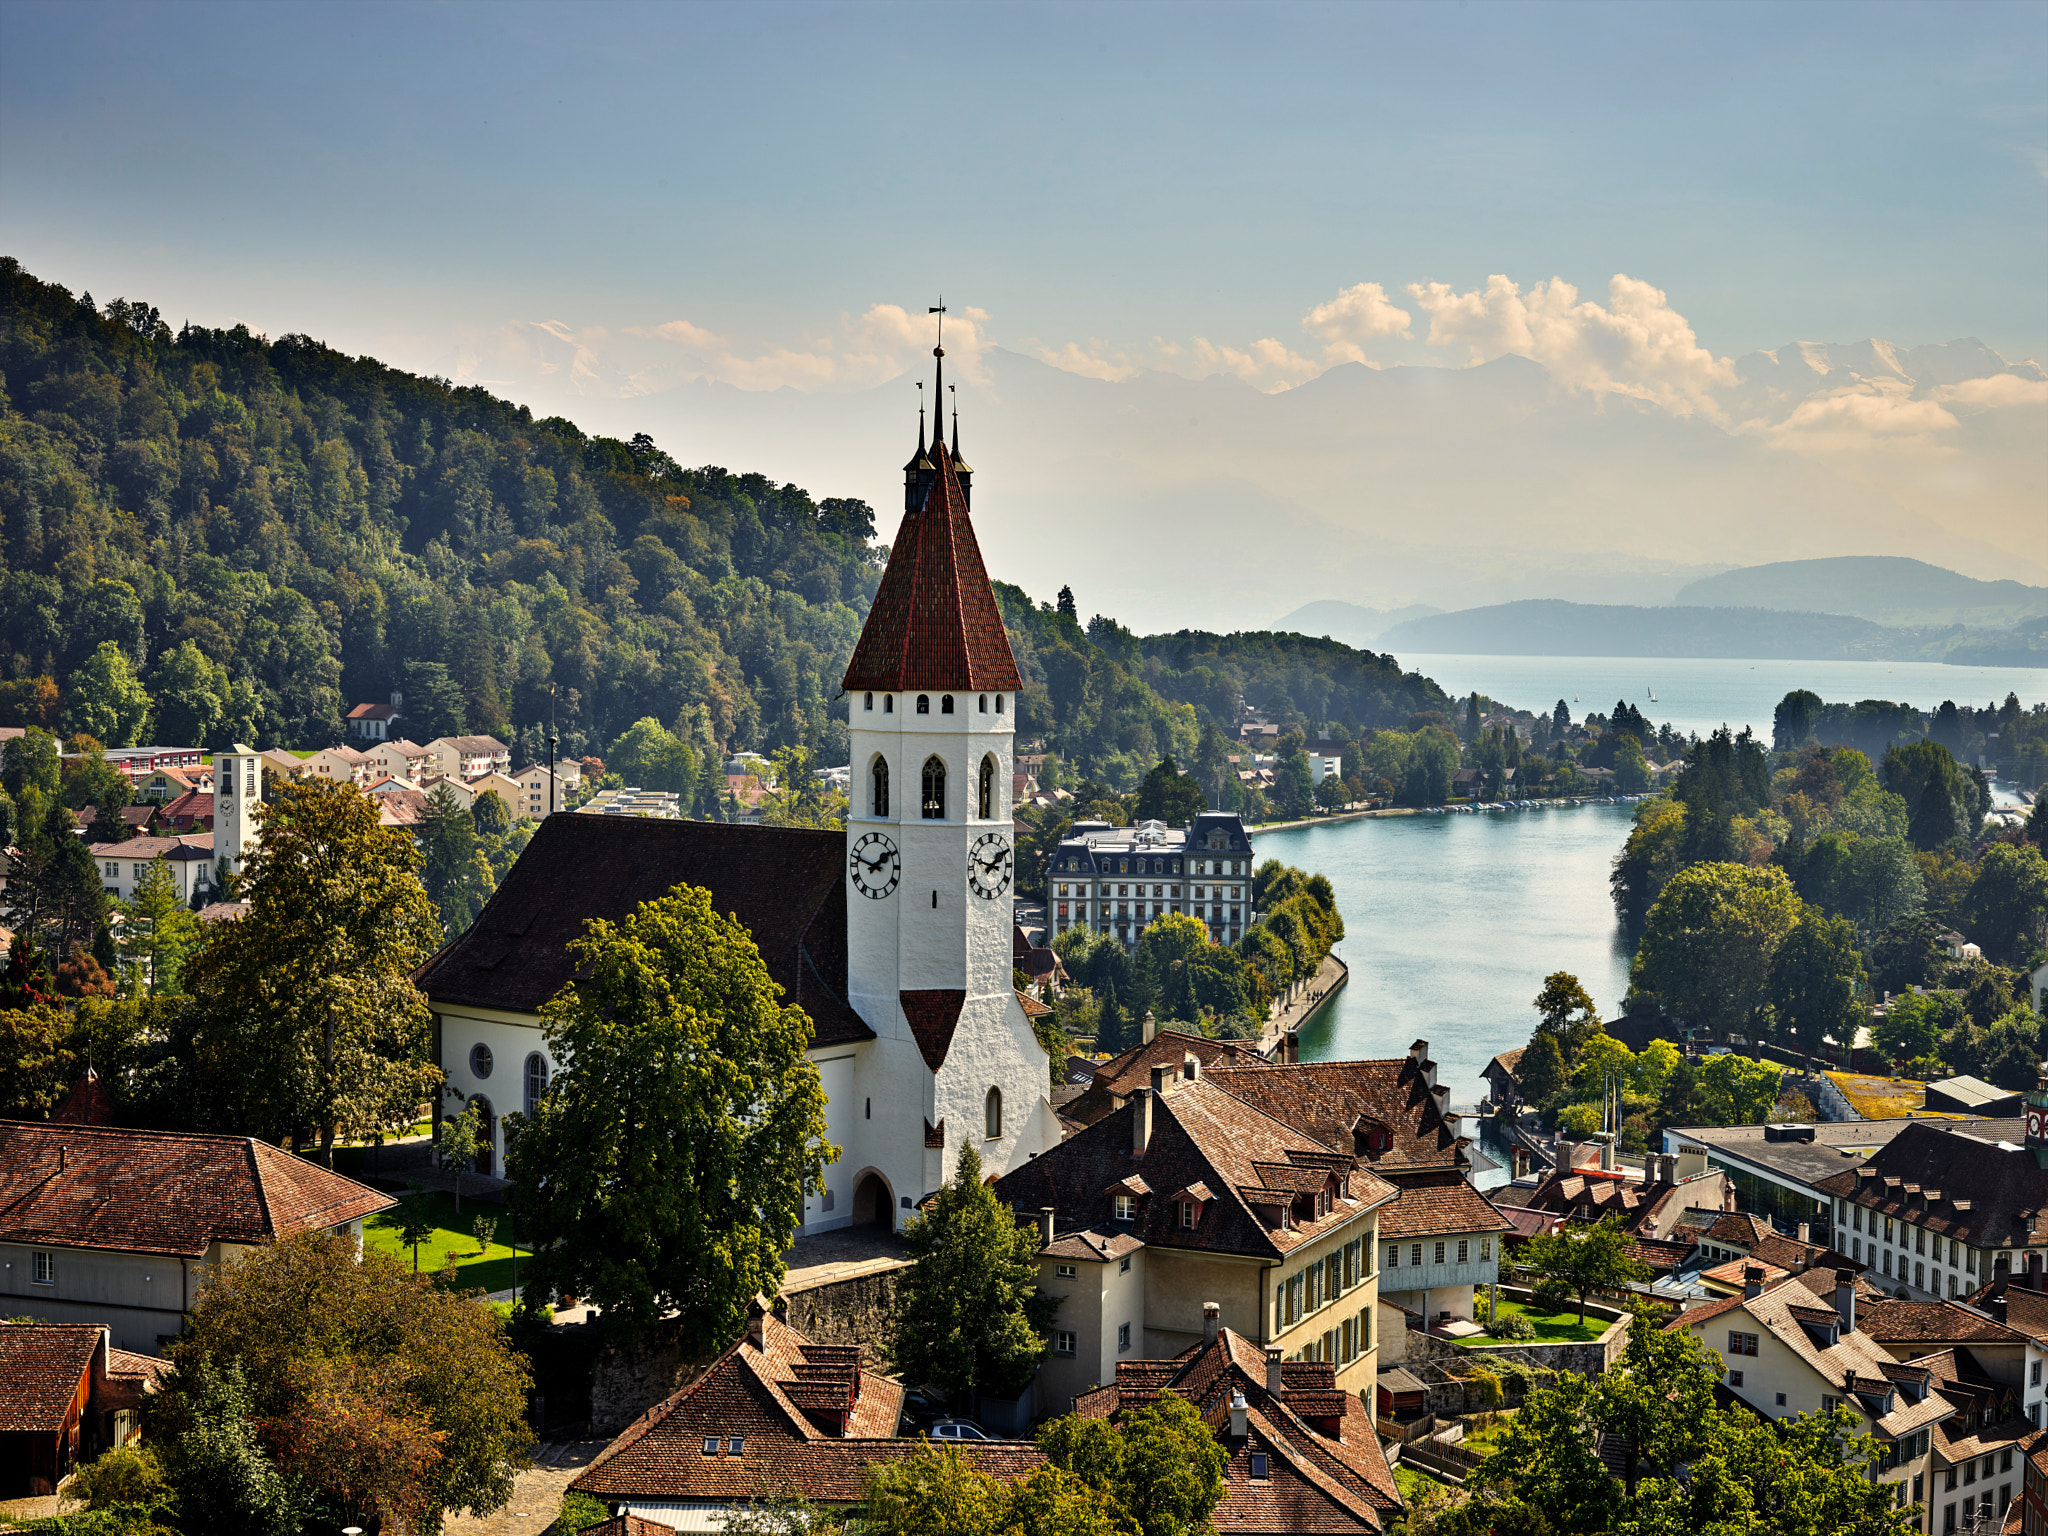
[(209, 536)]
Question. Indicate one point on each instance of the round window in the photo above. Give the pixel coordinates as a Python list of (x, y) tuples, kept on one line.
[(479, 1060)]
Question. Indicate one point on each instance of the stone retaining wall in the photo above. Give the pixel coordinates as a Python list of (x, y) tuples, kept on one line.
[(859, 1309)]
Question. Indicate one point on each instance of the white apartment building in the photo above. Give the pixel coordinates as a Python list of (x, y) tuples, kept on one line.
[(1116, 880)]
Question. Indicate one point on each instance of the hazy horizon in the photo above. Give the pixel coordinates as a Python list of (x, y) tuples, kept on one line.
[(1249, 306)]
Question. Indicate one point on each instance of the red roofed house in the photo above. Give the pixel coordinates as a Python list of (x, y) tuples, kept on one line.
[(373, 722), (774, 1413), (894, 935), (1303, 1454), (64, 1397), (1188, 1195), (116, 1227)]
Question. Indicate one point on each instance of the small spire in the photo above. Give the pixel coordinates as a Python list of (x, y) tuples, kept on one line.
[(953, 391), (939, 379)]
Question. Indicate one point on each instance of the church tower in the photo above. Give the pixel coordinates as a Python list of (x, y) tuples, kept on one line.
[(932, 692)]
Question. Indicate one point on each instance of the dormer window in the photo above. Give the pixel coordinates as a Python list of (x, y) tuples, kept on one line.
[(1190, 1214), (1126, 1207)]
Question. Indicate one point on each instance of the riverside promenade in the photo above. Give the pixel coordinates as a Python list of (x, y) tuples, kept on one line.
[(1301, 1007)]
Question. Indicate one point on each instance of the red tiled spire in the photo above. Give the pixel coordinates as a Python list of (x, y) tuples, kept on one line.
[(935, 624)]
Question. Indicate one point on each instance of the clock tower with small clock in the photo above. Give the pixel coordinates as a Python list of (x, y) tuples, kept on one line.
[(930, 875)]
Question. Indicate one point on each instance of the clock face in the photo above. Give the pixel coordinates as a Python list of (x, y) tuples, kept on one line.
[(988, 865), (875, 866), (2034, 1118)]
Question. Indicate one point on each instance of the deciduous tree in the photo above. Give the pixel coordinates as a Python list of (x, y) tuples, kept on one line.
[(1586, 1259), (664, 1173), (105, 699), (1709, 941), (1816, 977), (969, 1318), (309, 1017)]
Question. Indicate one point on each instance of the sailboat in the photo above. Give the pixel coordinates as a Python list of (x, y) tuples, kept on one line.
[(1652, 693)]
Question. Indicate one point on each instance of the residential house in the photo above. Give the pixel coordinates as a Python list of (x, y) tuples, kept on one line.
[(1978, 1460), (1785, 1352), (510, 792), (188, 814), (1503, 1080), (286, 765), (167, 784), (774, 1413), (1189, 1194), (129, 821), (49, 1379), (118, 1227), (1995, 1349), (400, 806), (462, 792), (1439, 1238), (2034, 1511), (341, 765), (189, 858), (1939, 1206), (374, 722), (534, 801), (1303, 1453), (2020, 1302), (399, 758), (467, 757)]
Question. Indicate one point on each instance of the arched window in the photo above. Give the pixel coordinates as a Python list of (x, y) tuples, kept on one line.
[(536, 1081), (994, 1110), (924, 703), (870, 704), (934, 790), (987, 811), (881, 778), (984, 703), (479, 1060), (946, 705), (486, 1136), (888, 703), (999, 703)]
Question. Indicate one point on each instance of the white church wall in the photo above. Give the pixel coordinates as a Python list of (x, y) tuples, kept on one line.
[(511, 1038)]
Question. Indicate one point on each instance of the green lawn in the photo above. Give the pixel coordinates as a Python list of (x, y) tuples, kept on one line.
[(1485, 1437), (1551, 1328), (489, 1271), (1413, 1483)]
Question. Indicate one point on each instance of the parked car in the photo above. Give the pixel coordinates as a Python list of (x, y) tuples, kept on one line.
[(959, 1429)]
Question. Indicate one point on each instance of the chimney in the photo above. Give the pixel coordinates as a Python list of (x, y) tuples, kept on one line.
[(1212, 1320), (1667, 1168), (1752, 1281), (1290, 1049), (1995, 1305), (1046, 1216), (1274, 1384), (757, 1324), (1151, 1026), (2001, 1271), (1162, 1081), (1454, 1122), (1607, 1154), (1849, 1381), (1141, 1120), (2034, 1271), (1191, 1067), (1845, 1298), (1238, 1415), (1805, 1231)]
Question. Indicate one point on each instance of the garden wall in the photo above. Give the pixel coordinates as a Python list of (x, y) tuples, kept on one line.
[(1588, 1358)]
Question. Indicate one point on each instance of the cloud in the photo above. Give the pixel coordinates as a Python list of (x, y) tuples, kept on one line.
[(1091, 362), (682, 333), (1359, 314), (1859, 421), (1266, 364), (1636, 345), (2000, 389)]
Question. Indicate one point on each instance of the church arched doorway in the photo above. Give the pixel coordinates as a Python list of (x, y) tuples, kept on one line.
[(874, 1204)]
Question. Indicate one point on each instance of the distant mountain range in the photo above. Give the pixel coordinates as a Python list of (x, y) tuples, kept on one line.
[(1351, 623), (1886, 589), (1547, 627)]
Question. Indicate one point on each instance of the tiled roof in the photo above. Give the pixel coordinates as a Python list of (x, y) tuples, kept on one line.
[(627, 1525), (1966, 1185), (1779, 1310), (1738, 1229), (1437, 1201), (2024, 1309), (86, 1186), (40, 1368), (1337, 1102), (1325, 1471), (753, 1392), (150, 1369), (190, 846), (372, 712), (1932, 1322), (786, 885), (476, 746), (1199, 1134), (934, 622), (1587, 1195), (1115, 1078), (88, 1103)]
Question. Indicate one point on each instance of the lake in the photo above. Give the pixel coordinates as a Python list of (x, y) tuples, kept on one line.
[(1699, 695), (1453, 923)]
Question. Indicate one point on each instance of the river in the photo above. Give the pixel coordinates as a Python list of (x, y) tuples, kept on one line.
[(1453, 922)]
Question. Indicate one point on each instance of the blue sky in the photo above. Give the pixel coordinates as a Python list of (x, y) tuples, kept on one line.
[(1122, 178)]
